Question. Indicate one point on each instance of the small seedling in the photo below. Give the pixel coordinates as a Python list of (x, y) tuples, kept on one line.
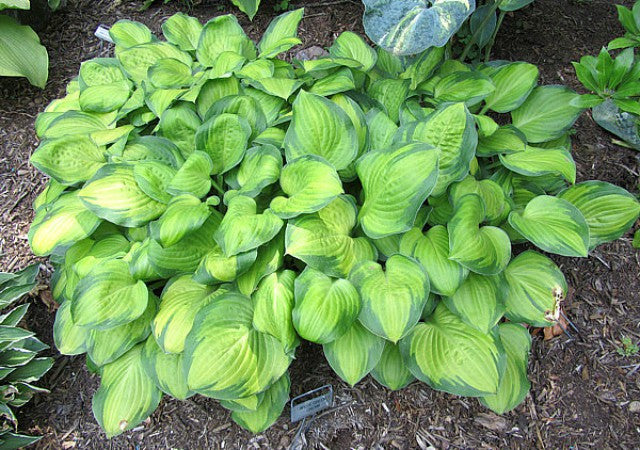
[(628, 347)]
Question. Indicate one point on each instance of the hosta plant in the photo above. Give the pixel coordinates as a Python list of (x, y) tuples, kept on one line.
[(20, 365), (212, 205)]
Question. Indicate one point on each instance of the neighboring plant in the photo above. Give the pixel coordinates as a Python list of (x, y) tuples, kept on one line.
[(211, 205), (630, 20), (249, 7), (20, 366), (628, 347)]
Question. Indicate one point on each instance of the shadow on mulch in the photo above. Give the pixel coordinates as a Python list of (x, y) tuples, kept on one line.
[(582, 390)]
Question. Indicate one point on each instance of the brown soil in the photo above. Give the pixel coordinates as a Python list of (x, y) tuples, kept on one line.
[(582, 388)]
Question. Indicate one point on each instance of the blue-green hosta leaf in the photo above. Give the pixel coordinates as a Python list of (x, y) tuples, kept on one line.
[(128, 33), (554, 225), (505, 140), (126, 395), (514, 384), (514, 82), (452, 130), (182, 31), (273, 302), (482, 249), (541, 161), (113, 194), (165, 369), (224, 138), (184, 213), (153, 178), (69, 160), (432, 251), (223, 34), (108, 296), (453, 357), (271, 405), (497, 207), (311, 184), (407, 27), (391, 94), (381, 129), (247, 361), (281, 34), (535, 287), (546, 114), (339, 81), (193, 177), (469, 87), (260, 168), (70, 339), (349, 45), (391, 371), (608, 209), (354, 354), (168, 73), (217, 268), (320, 127), (393, 299), (63, 222), (269, 259), (137, 60), (21, 54), (325, 308), (180, 302), (478, 302), (322, 240), (242, 229)]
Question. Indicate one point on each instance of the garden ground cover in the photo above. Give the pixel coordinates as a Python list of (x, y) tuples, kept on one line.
[(582, 390)]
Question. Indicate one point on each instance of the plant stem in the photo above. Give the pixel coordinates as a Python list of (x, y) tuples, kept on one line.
[(474, 37), (217, 187), (487, 54)]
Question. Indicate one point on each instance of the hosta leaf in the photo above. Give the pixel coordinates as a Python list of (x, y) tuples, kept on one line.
[(183, 31), (432, 251), (126, 396), (514, 385), (137, 60), (546, 114), (496, 205), (506, 139), (224, 138), (358, 119), (279, 87), (193, 177), (320, 127), (216, 268), (151, 148), (61, 223), (249, 7), (260, 68), (478, 302), (244, 106), (108, 296), (310, 182), (21, 54), (223, 34), (269, 259), (272, 304), (354, 354), (168, 73), (165, 369), (105, 97), (381, 129), (514, 82), (128, 33), (385, 180), (271, 405), (554, 225), (608, 209), (153, 178), (391, 94), (535, 286), (70, 339), (391, 371), (453, 357), (247, 361), (260, 167), (184, 213), (470, 87), (351, 46), (482, 249), (69, 160), (540, 161), (339, 81), (513, 5), (281, 34), (214, 90), (325, 308), (393, 299)]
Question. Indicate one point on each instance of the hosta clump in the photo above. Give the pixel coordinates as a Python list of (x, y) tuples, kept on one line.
[(213, 205)]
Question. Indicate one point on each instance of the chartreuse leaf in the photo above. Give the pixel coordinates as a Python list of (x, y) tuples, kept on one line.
[(128, 33), (272, 304), (214, 90), (391, 94), (246, 107), (464, 86), (70, 339), (432, 251), (62, 222), (137, 60), (183, 31), (325, 308), (351, 46), (514, 82), (546, 114), (506, 139), (354, 354), (453, 357), (496, 205), (339, 81), (320, 127), (223, 34), (260, 167), (310, 182), (113, 194), (269, 259), (452, 130), (478, 302), (165, 369), (322, 240), (247, 361), (541, 161), (391, 371), (482, 249), (273, 402), (281, 34), (554, 225), (184, 213), (282, 88), (385, 180), (242, 229), (153, 179), (105, 97), (193, 177), (168, 73), (126, 395), (21, 54), (381, 129), (69, 160), (393, 299), (224, 138), (249, 7), (514, 384), (608, 209), (180, 302), (535, 286), (108, 296), (216, 268)]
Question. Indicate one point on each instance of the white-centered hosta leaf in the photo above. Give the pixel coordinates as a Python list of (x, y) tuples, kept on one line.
[(391, 371), (479, 301), (281, 34)]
